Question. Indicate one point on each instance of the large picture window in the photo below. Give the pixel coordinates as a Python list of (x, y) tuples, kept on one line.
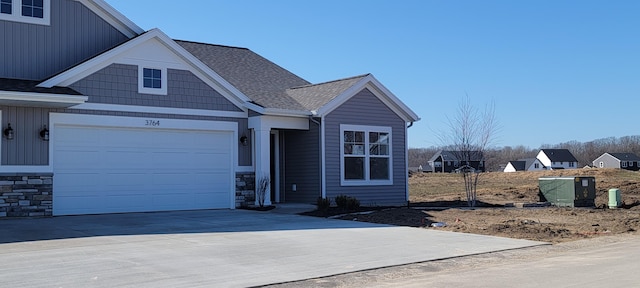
[(365, 155)]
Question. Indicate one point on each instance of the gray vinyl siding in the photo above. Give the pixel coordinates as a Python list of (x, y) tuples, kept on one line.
[(366, 109), (28, 149), (302, 165), (609, 161), (118, 84), (37, 52)]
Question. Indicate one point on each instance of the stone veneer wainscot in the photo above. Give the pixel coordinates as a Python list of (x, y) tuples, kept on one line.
[(245, 189), (26, 194)]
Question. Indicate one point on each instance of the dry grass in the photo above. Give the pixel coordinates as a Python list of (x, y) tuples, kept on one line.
[(500, 187)]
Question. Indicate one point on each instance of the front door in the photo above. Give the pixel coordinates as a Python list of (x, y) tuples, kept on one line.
[(274, 168)]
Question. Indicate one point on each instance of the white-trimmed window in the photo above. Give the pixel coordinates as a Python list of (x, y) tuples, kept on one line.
[(572, 164), (601, 164), (27, 11), (365, 155), (6, 6), (624, 164), (152, 80)]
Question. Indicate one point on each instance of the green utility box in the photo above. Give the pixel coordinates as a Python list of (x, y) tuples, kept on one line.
[(568, 191)]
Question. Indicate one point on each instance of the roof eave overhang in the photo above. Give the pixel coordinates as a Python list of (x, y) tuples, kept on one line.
[(40, 99), (277, 111)]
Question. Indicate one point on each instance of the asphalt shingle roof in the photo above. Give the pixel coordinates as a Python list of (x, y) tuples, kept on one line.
[(559, 155), (625, 156), (264, 82), (314, 96), (451, 156), (17, 85)]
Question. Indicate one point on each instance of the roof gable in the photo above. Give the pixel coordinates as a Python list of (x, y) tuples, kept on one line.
[(329, 103), (150, 48)]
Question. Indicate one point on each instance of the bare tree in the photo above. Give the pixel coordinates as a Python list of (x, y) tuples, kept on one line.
[(470, 134)]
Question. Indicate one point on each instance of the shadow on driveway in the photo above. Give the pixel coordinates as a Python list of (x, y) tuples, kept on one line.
[(154, 223)]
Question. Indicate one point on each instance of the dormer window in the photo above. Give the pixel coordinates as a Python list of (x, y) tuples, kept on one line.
[(152, 80), (26, 11), (33, 8)]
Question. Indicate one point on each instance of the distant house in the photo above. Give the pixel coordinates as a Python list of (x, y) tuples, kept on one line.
[(449, 161), (555, 159), (628, 161), (528, 164)]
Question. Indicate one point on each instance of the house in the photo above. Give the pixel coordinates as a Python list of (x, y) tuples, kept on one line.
[(628, 161), (527, 164), (449, 161), (555, 159), (100, 116)]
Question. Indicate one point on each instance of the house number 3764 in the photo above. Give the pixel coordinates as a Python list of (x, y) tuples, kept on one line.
[(152, 123)]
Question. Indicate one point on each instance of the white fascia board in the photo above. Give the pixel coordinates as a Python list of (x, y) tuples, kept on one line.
[(379, 91), (113, 17), (268, 122), (160, 110), (43, 98), (138, 122)]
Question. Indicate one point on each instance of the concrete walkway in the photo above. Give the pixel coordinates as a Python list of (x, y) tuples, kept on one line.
[(224, 248)]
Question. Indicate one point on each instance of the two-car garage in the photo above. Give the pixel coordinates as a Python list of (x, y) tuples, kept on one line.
[(106, 164)]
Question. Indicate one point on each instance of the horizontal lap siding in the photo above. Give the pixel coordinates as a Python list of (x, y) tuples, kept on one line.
[(302, 166), (75, 34), (366, 109)]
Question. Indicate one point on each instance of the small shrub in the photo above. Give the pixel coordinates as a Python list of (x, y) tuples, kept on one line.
[(341, 201), (323, 203), (353, 203), (347, 202)]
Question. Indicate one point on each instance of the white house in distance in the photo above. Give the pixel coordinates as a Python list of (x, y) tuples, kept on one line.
[(527, 164), (547, 159), (557, 159)]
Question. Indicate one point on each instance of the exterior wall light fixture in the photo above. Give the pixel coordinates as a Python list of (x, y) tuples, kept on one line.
[(44, 133), (244, 140), (8, 132)]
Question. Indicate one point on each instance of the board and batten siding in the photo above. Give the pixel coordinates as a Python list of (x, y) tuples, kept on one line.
[(302, 165), (35, 52), (26, 148), (366, 109)]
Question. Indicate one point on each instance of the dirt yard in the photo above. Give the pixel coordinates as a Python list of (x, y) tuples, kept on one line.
[(437, 199)]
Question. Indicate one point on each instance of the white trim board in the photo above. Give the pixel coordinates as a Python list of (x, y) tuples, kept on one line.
[(159, 110), (138, 122)]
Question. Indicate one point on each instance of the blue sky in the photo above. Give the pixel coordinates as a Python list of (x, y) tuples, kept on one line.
[(556, 71)]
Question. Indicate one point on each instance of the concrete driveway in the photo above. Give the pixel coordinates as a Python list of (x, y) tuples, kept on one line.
[(225, 248)]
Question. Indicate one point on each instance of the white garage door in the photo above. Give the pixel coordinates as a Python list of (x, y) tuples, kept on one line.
[(111, 170)]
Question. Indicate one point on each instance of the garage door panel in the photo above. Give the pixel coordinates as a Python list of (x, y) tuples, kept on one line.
[(76, 158), (139, 170)]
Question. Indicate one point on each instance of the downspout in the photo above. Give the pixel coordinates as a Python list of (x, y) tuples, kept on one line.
[(319, 152), (406, 161)]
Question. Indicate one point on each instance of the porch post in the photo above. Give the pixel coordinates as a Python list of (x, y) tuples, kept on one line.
[(263, 159)]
